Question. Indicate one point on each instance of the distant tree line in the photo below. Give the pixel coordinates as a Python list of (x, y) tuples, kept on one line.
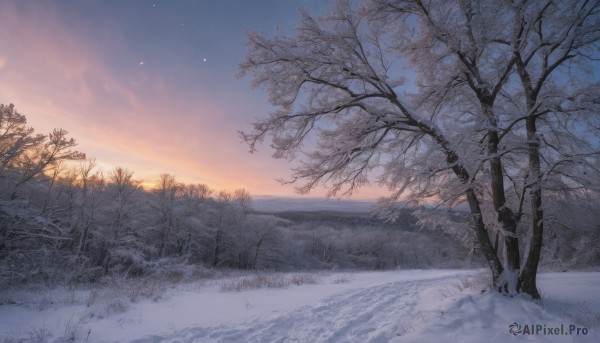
[(63, 219), (61, 216)]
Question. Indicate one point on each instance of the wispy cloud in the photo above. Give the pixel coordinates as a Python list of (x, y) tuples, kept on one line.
[(62, 74), (58, 78)]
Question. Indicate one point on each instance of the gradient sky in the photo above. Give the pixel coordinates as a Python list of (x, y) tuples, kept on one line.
[(148, 85)]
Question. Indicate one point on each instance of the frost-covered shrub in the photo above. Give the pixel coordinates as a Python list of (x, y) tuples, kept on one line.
[(145, 289), (263, 280), (303, 279)]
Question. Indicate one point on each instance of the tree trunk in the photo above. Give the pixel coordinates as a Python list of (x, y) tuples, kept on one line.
[(45, 205), (528, 275), (506, 217), (216, 248), (527, 278), (163, 243), (256, 252), (84, 235), (483, 238), (479, 226)]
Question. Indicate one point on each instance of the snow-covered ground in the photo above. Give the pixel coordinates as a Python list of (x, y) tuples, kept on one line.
[(393, 306)]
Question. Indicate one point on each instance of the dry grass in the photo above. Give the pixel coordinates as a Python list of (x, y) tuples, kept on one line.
[(263, 280), (146, 289), (477, 282), (584, 316), (341, 279), (303, 279), (74, 328)]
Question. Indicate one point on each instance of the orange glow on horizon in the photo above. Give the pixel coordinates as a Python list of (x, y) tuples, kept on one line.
[(57, 76)]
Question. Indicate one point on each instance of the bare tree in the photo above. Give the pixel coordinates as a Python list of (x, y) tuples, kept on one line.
[(166, 193), (560, 119), (57, 170), (87, 199), (122, 187), (333, 80), (252, 238), (191, 236), (338, 82), (242, 198), (16, 138), (218, 220), (121, 211), (193, 195), (39, 158), (264, 236)]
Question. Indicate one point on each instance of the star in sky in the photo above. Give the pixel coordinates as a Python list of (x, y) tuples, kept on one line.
[(169, 114)]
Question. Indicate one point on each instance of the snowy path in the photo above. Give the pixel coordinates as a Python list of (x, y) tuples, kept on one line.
[(393, 306), (372, 314)]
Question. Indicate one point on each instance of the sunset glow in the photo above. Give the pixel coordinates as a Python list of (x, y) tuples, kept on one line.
[(149, 87)]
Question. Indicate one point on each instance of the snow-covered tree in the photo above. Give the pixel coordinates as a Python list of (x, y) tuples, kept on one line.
[(256, 239), (426, 96), (191, 237), (15, 138), (225, 220), (165, 195), (218, 220), (45, 156), (555, 46), (84, 200), (120, 213), (24, 155)]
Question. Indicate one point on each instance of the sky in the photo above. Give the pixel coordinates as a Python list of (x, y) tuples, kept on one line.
[(149, 85)]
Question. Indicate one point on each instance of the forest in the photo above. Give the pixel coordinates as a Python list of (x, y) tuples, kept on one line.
[(64, 220)]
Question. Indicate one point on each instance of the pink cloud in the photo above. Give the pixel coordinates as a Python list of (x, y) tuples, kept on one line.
[(58, 77)]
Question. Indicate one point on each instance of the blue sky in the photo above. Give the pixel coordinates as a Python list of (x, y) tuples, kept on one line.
[(149, 85)]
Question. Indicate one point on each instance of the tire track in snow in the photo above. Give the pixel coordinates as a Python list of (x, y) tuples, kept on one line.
[(373, 314)]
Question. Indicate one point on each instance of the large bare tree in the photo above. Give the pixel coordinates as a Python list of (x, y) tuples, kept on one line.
[(555, 46), (426, 96)]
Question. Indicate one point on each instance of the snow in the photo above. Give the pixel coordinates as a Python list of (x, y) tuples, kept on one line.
[(273, 204), (392, 306), (510, 278)]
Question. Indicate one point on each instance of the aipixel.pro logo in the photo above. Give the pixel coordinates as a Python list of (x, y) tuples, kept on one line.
[(516, 329)]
